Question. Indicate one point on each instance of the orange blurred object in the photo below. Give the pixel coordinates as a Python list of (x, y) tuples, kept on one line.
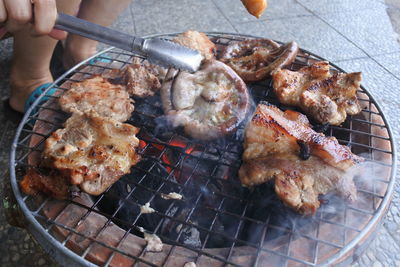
[(255, 7)]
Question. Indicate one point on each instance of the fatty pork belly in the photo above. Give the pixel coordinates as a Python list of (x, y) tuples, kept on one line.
[(326, 97), (281, 146)]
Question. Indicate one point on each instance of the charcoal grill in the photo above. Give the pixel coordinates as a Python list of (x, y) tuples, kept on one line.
[(218, 222)]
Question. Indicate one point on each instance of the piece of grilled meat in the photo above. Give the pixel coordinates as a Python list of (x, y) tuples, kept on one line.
[(197, 41), (209, 103), (281, 146), (326, 97), (99, 95), (52, 184), (254, 60), (141, 79), (92, 151)]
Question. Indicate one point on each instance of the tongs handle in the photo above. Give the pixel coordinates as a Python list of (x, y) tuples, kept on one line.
[(158, 51), (99, 33)]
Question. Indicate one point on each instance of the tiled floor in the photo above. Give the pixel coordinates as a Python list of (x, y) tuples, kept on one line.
[(357, 35)]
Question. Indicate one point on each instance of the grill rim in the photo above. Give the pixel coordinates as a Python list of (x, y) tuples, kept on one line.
[(59, 251)]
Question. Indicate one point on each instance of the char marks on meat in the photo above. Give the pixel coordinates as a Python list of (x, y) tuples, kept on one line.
[(141, 79), (209, 103), (254, 60), (99, 95), (326, 97), (51, 184), (272, 148), (92, 151)]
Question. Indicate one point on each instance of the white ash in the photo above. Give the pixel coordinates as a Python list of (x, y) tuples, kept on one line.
[(171, 195), (190, 264), (146, 208), (178, 228), (154, 243)]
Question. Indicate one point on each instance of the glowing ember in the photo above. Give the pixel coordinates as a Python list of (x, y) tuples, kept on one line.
[(154, 149)]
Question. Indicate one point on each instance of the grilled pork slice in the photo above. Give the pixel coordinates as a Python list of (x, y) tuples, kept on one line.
[(99, 95), (281, 146), (51, 184), (197, 41), (254, 60), (326, 97), (209, 103), (141, 79), (92, 151)]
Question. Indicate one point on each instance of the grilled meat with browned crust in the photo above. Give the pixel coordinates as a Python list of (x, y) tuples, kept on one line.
[(254, 60), (51, 184), (92, 151), (209, 103), (303, 163), (197, 41), (326, 97), (99, 95), (141, 79)]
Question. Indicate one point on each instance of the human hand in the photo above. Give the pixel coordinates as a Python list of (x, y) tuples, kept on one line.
[(41, 14)]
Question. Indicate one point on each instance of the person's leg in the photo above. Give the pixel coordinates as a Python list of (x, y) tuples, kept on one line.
[(31, 59), (102, 12)]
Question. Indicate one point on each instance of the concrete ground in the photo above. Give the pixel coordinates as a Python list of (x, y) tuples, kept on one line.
[(357, 35)]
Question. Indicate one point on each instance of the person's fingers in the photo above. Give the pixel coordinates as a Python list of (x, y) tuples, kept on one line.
[(3, 13), (19, 11), (45, 16), (58, 34)]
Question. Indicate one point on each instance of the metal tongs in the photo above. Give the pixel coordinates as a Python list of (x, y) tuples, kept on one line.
[(157, 51)]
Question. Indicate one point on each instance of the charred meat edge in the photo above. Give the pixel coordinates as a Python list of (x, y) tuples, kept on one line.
[(284, 55)]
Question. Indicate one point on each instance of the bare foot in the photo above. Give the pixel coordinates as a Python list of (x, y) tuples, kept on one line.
[(78, 49), (22, 86)]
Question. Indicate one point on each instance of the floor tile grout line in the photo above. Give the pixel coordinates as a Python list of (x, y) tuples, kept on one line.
[(350, 59), (369, 56), (366, 57), (133, 17), (226, 17), (395, 240), (276, 18), (342, 12), (336, 30)]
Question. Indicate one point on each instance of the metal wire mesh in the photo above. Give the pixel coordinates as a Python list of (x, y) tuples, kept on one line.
[(235, 226)]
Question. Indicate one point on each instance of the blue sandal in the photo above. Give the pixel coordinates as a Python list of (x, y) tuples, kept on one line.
[(36, 94), (101, 58)]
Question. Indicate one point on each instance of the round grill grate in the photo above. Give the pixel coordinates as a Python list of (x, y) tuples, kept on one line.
[(218, 222)]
